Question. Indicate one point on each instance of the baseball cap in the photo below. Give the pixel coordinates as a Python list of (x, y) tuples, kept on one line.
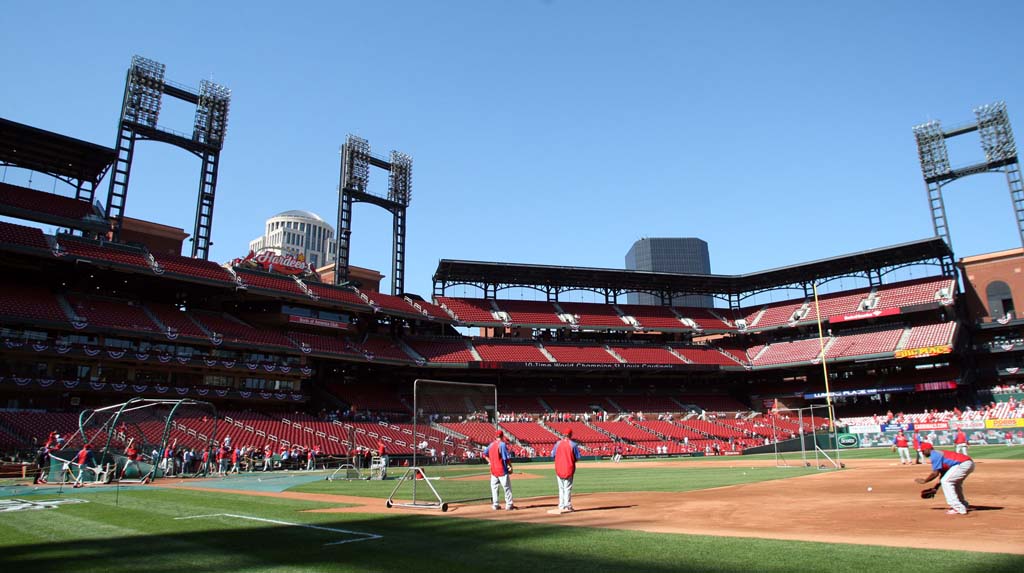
[(926, 445), (499, 434), (568, 433)]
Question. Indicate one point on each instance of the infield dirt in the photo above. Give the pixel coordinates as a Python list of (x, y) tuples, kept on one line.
[(831, 506)]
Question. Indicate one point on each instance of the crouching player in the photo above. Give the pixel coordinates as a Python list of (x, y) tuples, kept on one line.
[(954, 469)]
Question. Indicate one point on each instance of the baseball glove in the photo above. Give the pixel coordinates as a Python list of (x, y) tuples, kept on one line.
[(928, 492)]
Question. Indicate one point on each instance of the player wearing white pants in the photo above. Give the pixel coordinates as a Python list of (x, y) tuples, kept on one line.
[(565, 453), (954, 469), (501, 483), (501, 469)]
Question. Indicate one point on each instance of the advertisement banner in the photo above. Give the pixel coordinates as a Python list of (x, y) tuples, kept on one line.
[(1017, 423), (866, 429), (969, 424), (932, 426), (848, 441), (897, 427), (317, 322), (924, 351), (862, 315)]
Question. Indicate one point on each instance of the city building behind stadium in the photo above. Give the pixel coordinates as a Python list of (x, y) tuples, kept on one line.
[(293, 350)]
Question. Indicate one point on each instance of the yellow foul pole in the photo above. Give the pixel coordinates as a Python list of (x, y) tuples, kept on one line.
[(824, 363)]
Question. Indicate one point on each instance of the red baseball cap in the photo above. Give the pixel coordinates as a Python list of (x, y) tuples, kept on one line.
[(499, 434)]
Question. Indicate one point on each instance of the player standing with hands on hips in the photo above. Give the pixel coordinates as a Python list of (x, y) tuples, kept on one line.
[(501, 470), (565, 453), (954, 469)]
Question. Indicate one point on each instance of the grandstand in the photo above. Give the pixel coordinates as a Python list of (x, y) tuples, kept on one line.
[(88, 318)]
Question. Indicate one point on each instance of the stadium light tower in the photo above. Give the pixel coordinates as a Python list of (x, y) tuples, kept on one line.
[(356, 161), (140, 111), (993, 126)]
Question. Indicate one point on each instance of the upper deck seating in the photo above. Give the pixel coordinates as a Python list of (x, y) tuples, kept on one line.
[(704, 355), (42, 202), (865, 343), (445, 351), (705, 319), (196, 268), (531, 312), (236, 331), (469, 310), (833, 304), (591, 315), (269, 282), (576, 353), (341, 295), (30, 303), (653, 317), (323, 343), (646, 355), (378, 347), (428, 309), (11, 234), (931, 335), (477, 432), (805, 350), (509, 352), (111, 313), (910, 293), (79, 247), (390, 303), (176, 319)]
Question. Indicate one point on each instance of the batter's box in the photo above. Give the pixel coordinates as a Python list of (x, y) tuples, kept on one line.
[(352, 536)]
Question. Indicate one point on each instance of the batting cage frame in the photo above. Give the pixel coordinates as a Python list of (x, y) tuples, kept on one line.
[(416, 473), (830, 436), (148, 425)]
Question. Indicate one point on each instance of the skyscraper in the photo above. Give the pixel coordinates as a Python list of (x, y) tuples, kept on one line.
[(298, 233), (670, 255)]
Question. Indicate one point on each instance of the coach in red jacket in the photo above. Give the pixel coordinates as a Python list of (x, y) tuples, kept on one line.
[(566, 453)]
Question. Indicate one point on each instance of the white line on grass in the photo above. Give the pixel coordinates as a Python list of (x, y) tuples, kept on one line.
[(366, 536)]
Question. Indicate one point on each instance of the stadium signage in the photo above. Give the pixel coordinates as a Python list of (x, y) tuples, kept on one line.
[(863, 315), (1006, 423), (317, 322), (860, 392), (848, 441), (932, 426), (275, 263), (924, 351)]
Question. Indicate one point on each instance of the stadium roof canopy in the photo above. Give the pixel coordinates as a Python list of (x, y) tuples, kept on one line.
[(52, 153), (869, 263)]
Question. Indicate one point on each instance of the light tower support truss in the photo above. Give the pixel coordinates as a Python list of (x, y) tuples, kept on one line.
[(143, 91), (356, 161), (993, 127)]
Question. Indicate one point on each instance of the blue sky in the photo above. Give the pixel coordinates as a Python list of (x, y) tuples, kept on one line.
[(551, 132)]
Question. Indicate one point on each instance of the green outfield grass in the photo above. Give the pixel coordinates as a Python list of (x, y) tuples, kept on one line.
[(141, 531)]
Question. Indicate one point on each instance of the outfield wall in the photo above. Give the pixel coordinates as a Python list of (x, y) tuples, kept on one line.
[(940, 434)]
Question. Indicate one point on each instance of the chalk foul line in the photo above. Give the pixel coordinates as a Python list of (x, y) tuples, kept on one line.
[(363, 536)]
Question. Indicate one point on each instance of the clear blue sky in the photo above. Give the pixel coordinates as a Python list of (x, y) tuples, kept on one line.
[(550, 132)]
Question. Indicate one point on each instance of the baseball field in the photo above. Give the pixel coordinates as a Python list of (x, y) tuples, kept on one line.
[(712, 514)]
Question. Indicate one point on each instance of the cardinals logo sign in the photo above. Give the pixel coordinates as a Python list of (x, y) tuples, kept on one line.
[(274, 263)]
